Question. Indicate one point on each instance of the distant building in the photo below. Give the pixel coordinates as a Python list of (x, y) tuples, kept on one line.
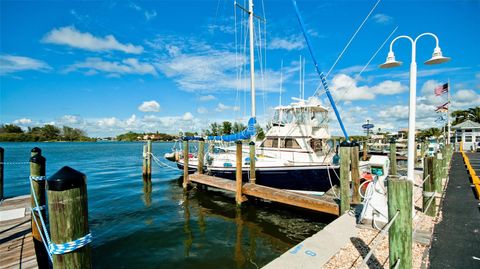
[(467, 133)]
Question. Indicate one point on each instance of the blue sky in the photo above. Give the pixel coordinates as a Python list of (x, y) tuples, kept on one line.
[(113, 66)]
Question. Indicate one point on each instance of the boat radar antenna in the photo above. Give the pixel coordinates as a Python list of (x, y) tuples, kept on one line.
[(322, 76)]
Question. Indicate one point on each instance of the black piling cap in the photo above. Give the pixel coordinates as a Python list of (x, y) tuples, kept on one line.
[(238, 142), (65, 179), (345, 144), (201, 139), (393, 140), (37, 150), (355, 144), (251, 143), (38, 159)]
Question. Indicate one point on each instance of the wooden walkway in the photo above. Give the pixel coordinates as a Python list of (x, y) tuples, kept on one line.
[(16, 243), (324, 204)]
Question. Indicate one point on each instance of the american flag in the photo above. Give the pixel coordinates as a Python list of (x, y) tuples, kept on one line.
[(439, 90), (442, 108)]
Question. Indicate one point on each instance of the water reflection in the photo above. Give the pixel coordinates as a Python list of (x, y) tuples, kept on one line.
[(147, 193), (260, 224), (187, 242)]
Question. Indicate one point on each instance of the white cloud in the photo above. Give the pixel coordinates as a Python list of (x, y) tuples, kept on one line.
[(382, 18), (187, 116), (465, 98), (23, 121), (70, 119), (221, 107), (202, 110), (12, 64), (149, 106), (208, 97), (126, 66), (150, 14), (345, 88), (70, 36), (293, 42)]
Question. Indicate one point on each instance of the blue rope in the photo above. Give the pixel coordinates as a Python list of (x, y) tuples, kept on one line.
[(322, 76), (53, 248), (70, 246)]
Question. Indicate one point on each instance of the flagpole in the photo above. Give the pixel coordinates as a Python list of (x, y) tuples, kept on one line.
[(448, 111)]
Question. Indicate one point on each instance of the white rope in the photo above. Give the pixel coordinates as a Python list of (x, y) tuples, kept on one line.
[(382, 233), (351, 39)]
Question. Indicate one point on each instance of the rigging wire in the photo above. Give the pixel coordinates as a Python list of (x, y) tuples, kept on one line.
[(365, 66), (351, 39)]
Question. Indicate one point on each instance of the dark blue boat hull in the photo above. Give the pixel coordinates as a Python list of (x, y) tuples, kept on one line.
[(307, 179)]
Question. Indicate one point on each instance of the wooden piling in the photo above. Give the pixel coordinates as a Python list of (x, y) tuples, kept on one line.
[(252, 162), (355, 151), (144, 164), (149, 159), (185, 164), (2, 152), (400, 233), (68, 216), (428, 187), (238, 174), (365, 148), (37, 171), (345, 153), (393, 157), (436, 177), (201, 155)]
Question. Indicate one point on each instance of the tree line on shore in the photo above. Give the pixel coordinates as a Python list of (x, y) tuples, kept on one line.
[(48, 132)]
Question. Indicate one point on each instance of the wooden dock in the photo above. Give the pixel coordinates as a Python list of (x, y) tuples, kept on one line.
[(325, 204), (16, 244)]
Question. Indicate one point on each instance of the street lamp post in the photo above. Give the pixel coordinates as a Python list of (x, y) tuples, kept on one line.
[(437, 58)]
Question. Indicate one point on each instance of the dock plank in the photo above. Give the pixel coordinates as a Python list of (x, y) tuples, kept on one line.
[(16, 242), (324, 204)]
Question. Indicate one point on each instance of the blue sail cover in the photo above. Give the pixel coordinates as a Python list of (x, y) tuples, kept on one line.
[(245, 134)]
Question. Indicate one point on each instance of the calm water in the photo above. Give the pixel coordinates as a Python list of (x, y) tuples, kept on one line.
[(140, 226)]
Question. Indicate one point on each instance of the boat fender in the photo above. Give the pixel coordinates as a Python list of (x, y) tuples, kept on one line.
[(336, 159)]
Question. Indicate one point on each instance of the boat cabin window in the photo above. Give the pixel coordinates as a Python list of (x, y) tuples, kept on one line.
[(270, 143), (316, 144), (377, 170), (289, 143)]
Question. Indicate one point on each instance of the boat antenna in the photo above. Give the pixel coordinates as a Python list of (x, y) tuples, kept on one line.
[(252, 54), (322, 76), (281, 84)]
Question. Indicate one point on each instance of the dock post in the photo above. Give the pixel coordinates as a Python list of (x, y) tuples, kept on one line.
[(355, 151), (37, 175), (238, 174), (149, 159), (428, 187), (253, 178), (365, 150), (185, 164), (144, 164), (201, 155), (436, 175), (345, 153), (2, 152), (439, 174), (400, 233), (393, 157), (68, 216), (444, 162)]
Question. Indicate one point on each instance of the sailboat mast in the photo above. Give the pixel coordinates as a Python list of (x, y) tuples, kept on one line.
[(252, 53)]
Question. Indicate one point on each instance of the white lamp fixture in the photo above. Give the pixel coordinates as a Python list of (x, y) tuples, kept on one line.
[(437, 57), (390, 62)]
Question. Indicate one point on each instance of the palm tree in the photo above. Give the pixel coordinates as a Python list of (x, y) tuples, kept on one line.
[(472, 114)]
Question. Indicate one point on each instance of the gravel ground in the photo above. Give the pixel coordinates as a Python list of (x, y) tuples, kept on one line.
[(351, 255)]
